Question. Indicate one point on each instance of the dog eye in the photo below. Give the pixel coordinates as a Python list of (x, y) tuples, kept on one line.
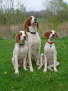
[(55, 34)]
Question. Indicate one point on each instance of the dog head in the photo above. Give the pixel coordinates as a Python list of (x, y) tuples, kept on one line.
[(21, 37), (51, 34), (31, 21)]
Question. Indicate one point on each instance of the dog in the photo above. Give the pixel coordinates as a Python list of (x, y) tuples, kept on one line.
[(20, 52), (34, 42), (50, 52)]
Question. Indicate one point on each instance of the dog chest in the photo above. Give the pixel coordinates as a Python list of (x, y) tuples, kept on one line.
[(49, 52), (33, 38), (23, 51)]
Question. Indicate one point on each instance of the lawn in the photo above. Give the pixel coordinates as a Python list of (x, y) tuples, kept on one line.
[(38, 80)]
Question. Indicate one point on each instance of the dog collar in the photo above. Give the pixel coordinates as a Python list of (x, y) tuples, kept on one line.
[(50, 42), (32, 32), (22, 44)]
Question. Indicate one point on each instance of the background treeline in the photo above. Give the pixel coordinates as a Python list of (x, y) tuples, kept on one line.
[(11, 17), (56, 10), (54, 16)]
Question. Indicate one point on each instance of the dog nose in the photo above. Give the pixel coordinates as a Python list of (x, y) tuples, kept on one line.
[(25, 37), (53, 34), (35, 20)]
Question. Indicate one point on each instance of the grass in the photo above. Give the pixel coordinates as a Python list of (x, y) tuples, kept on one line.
[(38, 80)]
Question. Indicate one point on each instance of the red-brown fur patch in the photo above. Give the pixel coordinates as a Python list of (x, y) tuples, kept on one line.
[(27, 24), (57, 35), (47, 34), (18, 37)]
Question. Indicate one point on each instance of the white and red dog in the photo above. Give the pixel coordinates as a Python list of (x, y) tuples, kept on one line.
[(50, 54), (27, 49), (34, 41), (20, 51)]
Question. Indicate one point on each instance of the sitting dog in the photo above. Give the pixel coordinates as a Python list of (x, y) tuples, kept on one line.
[(34, 41), (50, 53), (20, 51)]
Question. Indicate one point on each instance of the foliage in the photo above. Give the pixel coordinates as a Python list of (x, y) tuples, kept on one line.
[(57, 11), (12, 17)]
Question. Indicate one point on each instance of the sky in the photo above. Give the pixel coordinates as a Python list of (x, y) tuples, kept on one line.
[(31, 5), (66, 1), (36, 5)]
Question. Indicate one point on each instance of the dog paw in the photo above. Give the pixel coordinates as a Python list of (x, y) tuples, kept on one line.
[(45, 70), (37, 64), (31, 70), (25, 69), (55, 70), (16, 72), (39, 67), (50, 68)]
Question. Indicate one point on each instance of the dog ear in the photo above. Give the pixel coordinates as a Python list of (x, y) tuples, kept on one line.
[(27, 24), (37, 25), (18, 37), (47, 34), (57, 35), (26, 34)]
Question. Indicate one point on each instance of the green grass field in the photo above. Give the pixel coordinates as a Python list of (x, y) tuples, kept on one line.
[(38, 80)]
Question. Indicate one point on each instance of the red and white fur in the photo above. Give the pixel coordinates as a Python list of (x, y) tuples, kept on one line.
[(50, 52), (20, 51), (34, 41)]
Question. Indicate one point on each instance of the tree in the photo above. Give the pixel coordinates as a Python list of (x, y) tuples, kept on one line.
[(56, 6)]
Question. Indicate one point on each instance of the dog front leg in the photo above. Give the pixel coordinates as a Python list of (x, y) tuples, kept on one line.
[(24, 63), (55, 60), (30, 63), (13, 59), (45, 64), (38, 60), (16, 65), (41, 61), (38, 63)]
